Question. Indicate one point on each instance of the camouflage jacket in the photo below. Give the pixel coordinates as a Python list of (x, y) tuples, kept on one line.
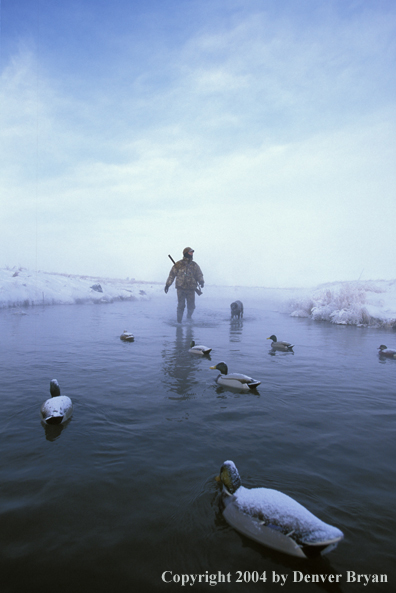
[(187, 274)]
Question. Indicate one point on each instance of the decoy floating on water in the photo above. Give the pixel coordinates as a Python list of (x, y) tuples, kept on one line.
[(199, 349), (384, 351), (284, 346), (235, 380), (58, 408), (127, 336), (274, 519)]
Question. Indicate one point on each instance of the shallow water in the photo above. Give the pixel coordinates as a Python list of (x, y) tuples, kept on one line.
[(125, 490)]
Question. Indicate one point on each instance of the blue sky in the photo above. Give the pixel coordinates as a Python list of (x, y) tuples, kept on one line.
[(260, 133)]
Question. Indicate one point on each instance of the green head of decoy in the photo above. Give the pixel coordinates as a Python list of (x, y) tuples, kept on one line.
[(222, 367), (230, 477)]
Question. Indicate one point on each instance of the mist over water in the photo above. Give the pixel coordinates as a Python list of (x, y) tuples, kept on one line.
[(125, 490)]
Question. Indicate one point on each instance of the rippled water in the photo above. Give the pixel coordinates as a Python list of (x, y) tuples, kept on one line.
[(125, 490)]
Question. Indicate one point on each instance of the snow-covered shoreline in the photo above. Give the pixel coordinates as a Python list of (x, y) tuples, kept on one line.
[(361, 303), (368, 303), (20, 287)]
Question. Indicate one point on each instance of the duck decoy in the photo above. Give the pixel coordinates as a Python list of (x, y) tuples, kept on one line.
[(199, 349), (127, 336), (284, 346), (385, 351), (58, 408), (235, 380), (273, 518)]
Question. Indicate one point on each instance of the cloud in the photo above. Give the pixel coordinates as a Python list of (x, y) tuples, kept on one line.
[(264, 144)]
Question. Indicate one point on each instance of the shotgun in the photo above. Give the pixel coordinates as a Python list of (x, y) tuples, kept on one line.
[(197, 290)]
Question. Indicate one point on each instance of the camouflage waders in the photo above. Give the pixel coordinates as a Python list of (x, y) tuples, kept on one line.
[(184, 296)]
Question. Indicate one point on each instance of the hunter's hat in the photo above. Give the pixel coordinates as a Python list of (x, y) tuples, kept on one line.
[(187, 250)]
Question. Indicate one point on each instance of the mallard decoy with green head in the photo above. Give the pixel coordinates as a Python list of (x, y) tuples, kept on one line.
[(284, 346), (234, 380), (385, 351), (273, 518)]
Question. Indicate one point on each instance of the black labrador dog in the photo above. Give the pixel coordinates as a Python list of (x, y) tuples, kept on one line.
[(236, 310)]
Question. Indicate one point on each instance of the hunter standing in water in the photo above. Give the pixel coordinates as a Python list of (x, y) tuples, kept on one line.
[(188, 275)]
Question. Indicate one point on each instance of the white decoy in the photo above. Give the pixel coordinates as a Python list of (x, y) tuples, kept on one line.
[(384, 351), (199, 349), (58, 408), (284, 346), (234, 380), (273, 518), (127, 336)]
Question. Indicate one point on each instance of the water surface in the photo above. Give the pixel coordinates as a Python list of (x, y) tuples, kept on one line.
[(125, 490)]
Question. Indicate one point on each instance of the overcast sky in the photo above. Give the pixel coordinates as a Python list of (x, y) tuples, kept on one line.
[(259, 132)]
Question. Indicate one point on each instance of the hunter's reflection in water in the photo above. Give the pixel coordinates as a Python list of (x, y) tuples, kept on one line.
[(181, 368)]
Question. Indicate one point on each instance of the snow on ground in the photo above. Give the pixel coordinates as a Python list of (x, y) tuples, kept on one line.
[(20, 287), (369, 303)]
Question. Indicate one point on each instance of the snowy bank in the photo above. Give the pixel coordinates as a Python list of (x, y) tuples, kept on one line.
[(367, 304), (20, 287)]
